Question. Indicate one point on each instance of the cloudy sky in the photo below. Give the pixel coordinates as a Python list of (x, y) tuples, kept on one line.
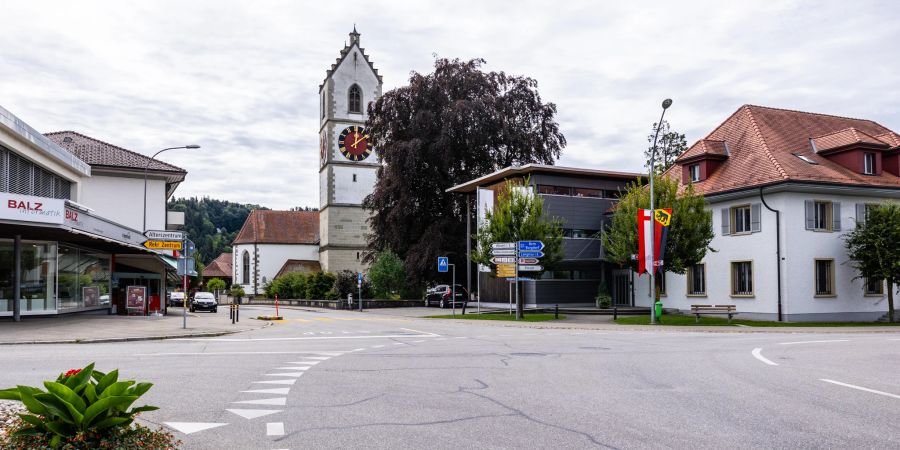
[(241, 78)]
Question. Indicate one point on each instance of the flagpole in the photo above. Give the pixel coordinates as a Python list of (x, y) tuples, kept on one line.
[(665, 105)]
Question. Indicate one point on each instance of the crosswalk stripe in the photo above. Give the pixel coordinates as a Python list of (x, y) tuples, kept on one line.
[(276, 381), (275, 401)]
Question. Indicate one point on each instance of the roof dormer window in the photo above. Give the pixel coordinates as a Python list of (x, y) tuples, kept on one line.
[(869, 163), (695, 172)]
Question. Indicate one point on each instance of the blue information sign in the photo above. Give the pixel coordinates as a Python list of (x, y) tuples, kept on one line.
[(443, 264), (359, 277), (531, 246), (531, 254)]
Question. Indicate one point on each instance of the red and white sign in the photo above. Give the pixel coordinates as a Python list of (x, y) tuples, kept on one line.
[(659, 231), (28, 208)]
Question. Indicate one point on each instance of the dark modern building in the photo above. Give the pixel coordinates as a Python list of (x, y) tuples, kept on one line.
[(582, 200)]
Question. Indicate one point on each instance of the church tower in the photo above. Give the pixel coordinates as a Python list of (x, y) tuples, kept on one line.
[(347, 160)]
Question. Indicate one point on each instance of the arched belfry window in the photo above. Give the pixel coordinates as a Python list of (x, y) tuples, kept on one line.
[(245, 273), (355, 99)]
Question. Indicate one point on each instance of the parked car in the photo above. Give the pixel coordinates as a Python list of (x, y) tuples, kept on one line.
[(175, 299), (441, 294), (204, 301)]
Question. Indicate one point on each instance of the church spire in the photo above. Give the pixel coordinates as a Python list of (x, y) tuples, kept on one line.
[(354, 36)]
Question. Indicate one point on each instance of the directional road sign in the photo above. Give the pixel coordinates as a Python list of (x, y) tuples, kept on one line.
[(531, 268), (504, 252), (163, 245), (506, 270), (528, 260), (520, 279), (497, 245), (531, 254), (531, 246), (186, 266), (503, 260), (443, 264), (164, 235)]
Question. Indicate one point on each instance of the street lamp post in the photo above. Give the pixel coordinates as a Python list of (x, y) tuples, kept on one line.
[(147, 166), (665, 105)]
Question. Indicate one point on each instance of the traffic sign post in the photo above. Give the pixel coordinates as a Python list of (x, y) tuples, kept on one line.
[(163, 245), (165, 235), (531, 246), (503, 260), (359, 279), (504, 252), (531, 254), (443, 263)]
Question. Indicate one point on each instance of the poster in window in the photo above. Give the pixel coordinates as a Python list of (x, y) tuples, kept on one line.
[(136, 297), (90, 295)]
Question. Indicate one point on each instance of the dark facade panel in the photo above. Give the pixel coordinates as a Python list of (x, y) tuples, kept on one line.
[(584, 182), (582, 249), (578, 212), (560, 292)]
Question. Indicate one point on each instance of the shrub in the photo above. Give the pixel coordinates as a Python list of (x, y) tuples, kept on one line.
[(345, 283), (387, 274), (81, 402), (318, 284), (332, 295), (137, 437), (215, 284), (603, 299), (237, 291)]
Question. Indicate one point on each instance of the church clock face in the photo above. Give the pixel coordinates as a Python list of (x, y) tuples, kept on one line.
[(354, 143)]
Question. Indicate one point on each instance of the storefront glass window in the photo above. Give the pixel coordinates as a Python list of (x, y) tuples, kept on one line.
[(38, 273), (69, 294), (84, 278)]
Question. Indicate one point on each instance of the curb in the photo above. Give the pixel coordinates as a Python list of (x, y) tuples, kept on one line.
[(136, 338)]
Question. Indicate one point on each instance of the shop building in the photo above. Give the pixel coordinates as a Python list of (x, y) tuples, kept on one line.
[(63, 248)]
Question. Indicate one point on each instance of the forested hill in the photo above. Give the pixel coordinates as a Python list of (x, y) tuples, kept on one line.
[(211, 224)]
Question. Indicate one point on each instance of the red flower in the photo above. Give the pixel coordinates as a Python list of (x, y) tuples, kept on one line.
[(72, 372)]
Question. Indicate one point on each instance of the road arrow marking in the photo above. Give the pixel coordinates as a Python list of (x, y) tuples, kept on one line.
[(277, 401), (278, 391), (254, 413), (192, 427), (757, 353), (276, 382)]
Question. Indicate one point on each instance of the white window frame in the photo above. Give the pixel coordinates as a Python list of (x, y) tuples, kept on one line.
[(694, 170), (823, 211), (745, 219), (869, 163)]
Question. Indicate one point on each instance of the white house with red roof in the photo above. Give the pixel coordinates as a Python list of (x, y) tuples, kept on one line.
[(783, 188)]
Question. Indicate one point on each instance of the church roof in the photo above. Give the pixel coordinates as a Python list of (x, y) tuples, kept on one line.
[(219, 267), (279, 227), (354, 42)]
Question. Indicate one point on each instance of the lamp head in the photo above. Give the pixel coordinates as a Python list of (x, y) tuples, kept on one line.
[(192, 146), (667, 103)]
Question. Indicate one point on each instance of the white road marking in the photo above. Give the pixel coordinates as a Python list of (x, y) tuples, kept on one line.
[(420, 332), (235, 353), (276, 382), (253, 413), (279, 391), (357, 350), (291, 368), (757, 353), (460, 337), (276, 401), (852, 386), (285, 374), (813, 342), (377, 346), (305, 363), (192, 427), (441, 339), (320, 358), (398, 343), (387, 336), (275, 429), (416, 342)]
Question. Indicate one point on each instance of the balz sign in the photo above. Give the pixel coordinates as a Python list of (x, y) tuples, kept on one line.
[(31, 209)]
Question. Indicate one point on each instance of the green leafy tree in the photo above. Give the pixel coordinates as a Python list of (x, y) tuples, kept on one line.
[(690, 229), (387, 274), (318, 284), (670, 145), (519, 215), (346, 283), (215, 285), (874, 247), (442, 129)]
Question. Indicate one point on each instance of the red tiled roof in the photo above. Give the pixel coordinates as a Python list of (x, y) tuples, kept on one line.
[(98, 153), (764, 143), (705, 147), (843, 138), (890, 138), (279, 227), (219, 267)]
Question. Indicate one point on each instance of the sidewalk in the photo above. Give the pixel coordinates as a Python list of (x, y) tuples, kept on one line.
[(605, 323), (90, 328)]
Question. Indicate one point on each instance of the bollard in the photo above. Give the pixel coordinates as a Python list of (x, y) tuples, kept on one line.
[(556, 312), (615, 313), (232, 312), (237, 312)]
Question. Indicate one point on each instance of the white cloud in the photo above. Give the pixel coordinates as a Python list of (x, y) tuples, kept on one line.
[(241, 78)]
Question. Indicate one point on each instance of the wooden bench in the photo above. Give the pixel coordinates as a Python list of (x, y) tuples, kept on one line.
[(730, 310)]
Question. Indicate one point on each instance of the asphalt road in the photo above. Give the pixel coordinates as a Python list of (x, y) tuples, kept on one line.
[(357, 380)]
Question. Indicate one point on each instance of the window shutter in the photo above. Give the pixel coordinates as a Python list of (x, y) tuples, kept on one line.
[(860, 213), (755, 217), (836, 216), (726, 221), (810, 214)]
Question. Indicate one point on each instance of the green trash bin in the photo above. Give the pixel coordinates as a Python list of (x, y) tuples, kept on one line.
[(658, 309)]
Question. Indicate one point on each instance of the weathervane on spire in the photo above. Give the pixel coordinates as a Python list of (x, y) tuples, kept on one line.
[(354, 36)]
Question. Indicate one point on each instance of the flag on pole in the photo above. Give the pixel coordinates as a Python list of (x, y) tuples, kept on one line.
[(645, 221), (660, 223)]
